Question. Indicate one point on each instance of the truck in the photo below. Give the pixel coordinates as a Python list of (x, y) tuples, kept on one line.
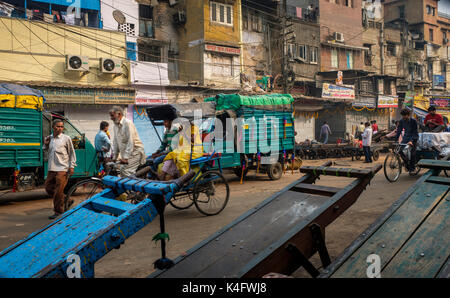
[(24, 124)]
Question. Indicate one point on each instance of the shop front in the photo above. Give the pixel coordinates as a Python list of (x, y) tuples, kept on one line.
[(86, 107)]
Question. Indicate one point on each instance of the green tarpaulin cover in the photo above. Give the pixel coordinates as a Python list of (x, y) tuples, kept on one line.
[(235, 101)]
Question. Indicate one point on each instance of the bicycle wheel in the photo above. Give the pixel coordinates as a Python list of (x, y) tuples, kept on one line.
[(376, 155), (211, 193), (83, 191), (392, 167), (182, 202)]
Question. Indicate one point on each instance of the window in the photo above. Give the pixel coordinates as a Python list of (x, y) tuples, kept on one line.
[(401, 12), (222, 13), (128, 28), (349, 60), (145, 21), (302, 52), (431, 10), (431, 34), (149, 53), (334, 58), (245, 18), (348, 3), (314, 55), (444, 38), (368, 55), (291, 50), (391, 49), (222, 66)]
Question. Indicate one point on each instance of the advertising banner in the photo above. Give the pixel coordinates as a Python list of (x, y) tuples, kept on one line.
[(338, 92), (387, 101), (440, 102)]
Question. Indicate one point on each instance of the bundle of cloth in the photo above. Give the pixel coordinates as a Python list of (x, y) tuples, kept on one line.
[(438, 141)]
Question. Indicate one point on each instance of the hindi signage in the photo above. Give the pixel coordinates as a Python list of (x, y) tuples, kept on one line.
[(338, 92), (364, 101), (87, 96), (221, 49), (387, 101), (440, 102)]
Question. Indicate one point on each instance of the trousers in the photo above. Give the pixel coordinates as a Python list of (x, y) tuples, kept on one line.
[(54, 186)]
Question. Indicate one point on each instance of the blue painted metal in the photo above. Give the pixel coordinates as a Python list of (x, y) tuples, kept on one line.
[(90, 230), (86, 4)]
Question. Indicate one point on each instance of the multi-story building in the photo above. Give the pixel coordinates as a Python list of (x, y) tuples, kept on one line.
[(428, 22), (82, 70)]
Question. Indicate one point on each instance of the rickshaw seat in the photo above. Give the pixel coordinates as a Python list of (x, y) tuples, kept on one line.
[(199, 160)]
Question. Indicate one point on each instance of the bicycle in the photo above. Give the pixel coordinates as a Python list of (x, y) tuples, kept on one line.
[(395, 161), (87, 188)]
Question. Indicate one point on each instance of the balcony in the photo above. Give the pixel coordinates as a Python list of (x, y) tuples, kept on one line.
[(146, 28)]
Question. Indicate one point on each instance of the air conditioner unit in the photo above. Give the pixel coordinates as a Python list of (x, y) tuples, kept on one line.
[(180, 18), (338, 36), (77, 63), (173, 2), (109, 65)]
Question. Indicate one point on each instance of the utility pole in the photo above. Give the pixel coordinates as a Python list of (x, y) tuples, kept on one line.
[(283, 62)]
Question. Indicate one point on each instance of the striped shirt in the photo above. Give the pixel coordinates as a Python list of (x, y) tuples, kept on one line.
[(169, 134)]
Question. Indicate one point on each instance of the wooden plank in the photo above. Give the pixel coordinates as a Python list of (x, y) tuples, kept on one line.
[(434, 164), (445, 271), (390, 237), (340, 172), (439, 180), (427, 250), (358, 242), (315, 189), (225, 255)]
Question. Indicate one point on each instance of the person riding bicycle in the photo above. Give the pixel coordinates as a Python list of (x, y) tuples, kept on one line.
[(410, 137)]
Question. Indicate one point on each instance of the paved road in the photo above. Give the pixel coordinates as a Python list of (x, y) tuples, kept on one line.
[(188, 227)]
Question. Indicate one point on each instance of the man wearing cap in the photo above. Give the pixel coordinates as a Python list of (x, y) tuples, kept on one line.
[(126, 143)]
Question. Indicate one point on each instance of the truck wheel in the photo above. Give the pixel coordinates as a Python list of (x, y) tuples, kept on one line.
[(275, 171)]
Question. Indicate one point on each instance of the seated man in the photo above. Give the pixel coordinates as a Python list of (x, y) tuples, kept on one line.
[(433, 122), (176, 163), (166, 146)]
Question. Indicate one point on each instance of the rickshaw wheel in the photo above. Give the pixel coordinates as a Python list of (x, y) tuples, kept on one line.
[(82, 191), (182, 202), (376, 155), (211, 193)]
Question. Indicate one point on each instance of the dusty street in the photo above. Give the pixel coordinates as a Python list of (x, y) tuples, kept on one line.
[(188, 227)]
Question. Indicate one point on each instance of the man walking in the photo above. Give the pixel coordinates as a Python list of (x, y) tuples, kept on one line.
[(410, 137), (102, 142), (325, 131), (367, 142), (126, 143), (61, 164)]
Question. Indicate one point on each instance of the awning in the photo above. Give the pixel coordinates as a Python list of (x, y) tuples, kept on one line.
[(344, 46)]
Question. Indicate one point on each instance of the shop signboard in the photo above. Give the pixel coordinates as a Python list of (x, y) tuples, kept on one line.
[(331, 91), (440, 102), (387, 101), (87, 95), (365, 101)]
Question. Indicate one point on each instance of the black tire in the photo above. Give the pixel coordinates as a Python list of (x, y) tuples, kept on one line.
[(275, 171), (238, 171), (392, 165), (82, 191), (207, 186), (358, 155), (376, 155), (182, 202)]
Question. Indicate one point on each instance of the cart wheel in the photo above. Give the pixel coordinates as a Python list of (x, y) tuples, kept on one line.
[(211, 193), (392, 167), (82, 191), (376, 155), (238, 171), (275, 171), (182, 202)]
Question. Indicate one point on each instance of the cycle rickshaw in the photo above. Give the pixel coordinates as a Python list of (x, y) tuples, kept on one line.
[(208, 190)]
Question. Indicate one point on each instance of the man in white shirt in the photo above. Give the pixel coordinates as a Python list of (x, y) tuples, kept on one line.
[(61, 163), (126, 143), (367, 142)]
